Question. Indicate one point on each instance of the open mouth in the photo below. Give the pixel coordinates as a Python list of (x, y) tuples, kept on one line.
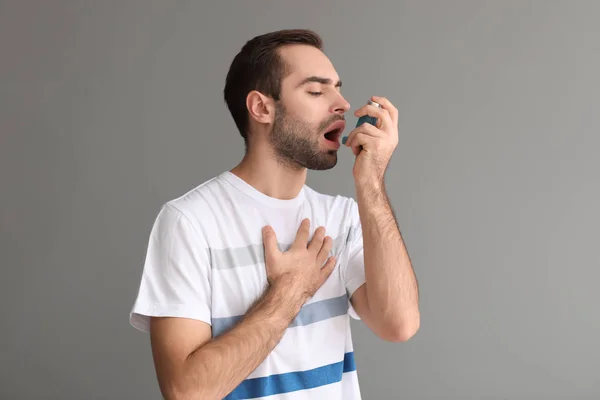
[(334, 135), (334, 131)]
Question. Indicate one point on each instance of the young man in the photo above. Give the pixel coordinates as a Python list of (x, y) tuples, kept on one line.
[(250, 278)]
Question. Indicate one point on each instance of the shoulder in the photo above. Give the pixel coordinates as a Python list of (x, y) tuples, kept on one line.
[(201, 197), (193, 211)]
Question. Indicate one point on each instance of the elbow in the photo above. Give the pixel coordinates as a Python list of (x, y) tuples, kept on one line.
[(176, 391), (402, 332), (399, 336), (190, 382), (182, 395)]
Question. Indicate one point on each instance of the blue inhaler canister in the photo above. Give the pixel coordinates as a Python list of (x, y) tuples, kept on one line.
[(365, 118)]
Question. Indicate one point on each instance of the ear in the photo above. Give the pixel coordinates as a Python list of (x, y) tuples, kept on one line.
[(260, 107)]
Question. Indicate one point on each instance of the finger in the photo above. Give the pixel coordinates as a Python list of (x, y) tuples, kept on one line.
[(365, 142), (382, 115), (364, 128), (387, 105), (327, 269), (362, 140), (325, 249), (302, 234), (317, 240), (269, 242), (351, 137)]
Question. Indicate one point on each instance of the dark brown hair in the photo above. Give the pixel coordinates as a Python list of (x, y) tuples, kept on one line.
[(259, 66)]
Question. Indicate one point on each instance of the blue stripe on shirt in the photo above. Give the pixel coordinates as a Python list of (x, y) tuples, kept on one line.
[(293, 381), (309, 314)]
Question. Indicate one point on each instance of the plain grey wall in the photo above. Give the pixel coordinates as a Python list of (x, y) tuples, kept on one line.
[(110, 108)]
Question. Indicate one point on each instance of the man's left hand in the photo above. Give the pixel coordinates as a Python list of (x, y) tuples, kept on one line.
[(373, 146)]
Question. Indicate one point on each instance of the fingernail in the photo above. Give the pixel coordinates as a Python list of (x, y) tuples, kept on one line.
[(344, 139)]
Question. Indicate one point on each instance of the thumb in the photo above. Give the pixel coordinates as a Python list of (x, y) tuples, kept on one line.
[(269, 242)]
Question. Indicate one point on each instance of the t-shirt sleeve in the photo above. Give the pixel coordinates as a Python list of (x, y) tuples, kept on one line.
[(175, 280), (354, 275)]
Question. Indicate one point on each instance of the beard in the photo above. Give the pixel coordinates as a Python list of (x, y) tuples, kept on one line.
[(296, 142)]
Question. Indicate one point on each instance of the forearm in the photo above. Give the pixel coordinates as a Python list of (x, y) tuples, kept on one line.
[(391, 285), (219, 366)]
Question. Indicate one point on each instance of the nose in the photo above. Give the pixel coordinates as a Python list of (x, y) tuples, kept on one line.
[(340, 106)]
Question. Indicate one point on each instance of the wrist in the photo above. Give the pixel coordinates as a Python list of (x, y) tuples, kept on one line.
[(373, 183), (371, 191), (287, 295)]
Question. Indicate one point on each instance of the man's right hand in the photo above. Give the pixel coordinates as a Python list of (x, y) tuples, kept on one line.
[(190, 363), (303, 269)]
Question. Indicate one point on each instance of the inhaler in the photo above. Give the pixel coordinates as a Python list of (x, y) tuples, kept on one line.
[(365, 118)]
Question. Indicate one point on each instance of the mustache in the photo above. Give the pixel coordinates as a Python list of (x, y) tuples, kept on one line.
[(331, 120)]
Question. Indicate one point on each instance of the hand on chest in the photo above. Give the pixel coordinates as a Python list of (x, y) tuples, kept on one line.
[(239, 272)]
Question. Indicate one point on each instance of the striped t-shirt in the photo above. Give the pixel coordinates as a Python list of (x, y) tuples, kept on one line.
[(205, 260)]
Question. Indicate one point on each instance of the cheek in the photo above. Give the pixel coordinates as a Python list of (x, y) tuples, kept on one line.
[(310, 111), (307, 116)]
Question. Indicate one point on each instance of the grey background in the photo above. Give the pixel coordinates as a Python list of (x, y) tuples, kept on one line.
[(110, 108)]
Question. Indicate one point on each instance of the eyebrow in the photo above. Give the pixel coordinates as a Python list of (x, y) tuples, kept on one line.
[(318, 79)]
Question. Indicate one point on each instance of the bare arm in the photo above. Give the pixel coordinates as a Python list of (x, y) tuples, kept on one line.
[(388, 301), (189, 365)]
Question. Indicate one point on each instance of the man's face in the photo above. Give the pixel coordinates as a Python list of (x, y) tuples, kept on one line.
[(311, 106)]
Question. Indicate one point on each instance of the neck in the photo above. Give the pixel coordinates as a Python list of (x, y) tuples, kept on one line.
[(261, 169)]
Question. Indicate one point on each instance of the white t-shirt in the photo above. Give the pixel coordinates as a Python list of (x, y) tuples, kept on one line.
[(205, 260)]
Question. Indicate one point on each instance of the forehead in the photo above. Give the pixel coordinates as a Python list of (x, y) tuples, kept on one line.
[(305, 60)]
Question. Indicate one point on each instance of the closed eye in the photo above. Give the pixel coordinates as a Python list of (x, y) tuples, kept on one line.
[(315, 93)]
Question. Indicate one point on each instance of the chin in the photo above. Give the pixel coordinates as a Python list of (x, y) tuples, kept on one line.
[(327, 161)]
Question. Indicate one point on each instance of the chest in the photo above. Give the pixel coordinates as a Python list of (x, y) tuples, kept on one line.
[(238, 272)]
